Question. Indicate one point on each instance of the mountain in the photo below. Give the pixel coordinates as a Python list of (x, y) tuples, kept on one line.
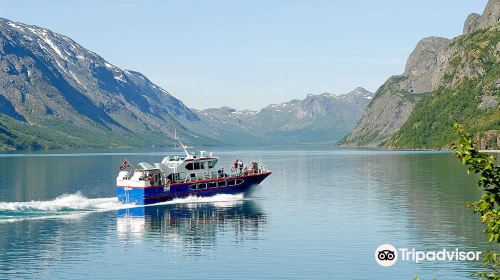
[(317, 118), (55, 94), (234, 126), (444, 80), (395, 99)]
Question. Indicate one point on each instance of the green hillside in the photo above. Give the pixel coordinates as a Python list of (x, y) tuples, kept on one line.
[(472, 77), (58, 134)]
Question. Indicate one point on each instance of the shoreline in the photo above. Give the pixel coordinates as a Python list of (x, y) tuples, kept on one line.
[(134, 149)]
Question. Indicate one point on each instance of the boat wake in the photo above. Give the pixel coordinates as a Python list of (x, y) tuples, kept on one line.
[(65, 202), (74, 206), (64, 206), (218, 198)]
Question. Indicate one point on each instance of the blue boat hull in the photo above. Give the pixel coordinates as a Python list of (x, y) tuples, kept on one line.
[(156, 194)]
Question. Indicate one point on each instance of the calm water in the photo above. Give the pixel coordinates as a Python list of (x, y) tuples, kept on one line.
[(319, 216)]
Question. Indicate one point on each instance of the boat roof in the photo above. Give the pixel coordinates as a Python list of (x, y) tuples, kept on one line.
[(146, 166)]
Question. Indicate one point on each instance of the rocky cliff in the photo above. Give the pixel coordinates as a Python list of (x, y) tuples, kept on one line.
[(490, 17), (436, 71), (395, 99), (468, 92)]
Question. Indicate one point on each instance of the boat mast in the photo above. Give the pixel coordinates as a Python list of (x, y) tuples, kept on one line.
[(182, 145)]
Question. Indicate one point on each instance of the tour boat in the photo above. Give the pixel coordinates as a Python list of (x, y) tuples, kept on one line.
[(183, 176)]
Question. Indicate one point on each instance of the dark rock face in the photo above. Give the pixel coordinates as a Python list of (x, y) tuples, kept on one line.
[(471, 23), (8, 109)]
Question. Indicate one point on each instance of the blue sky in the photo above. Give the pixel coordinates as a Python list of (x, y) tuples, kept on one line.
[(248, 54)]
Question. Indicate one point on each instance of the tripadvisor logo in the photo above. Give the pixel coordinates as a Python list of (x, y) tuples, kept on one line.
[(387, 255)]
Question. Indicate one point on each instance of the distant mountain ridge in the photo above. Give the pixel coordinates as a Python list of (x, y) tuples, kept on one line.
[(54, 93), (444, 80), (317, 118)]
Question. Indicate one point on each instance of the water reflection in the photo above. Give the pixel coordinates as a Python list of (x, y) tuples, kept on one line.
[(430, 193), (321, 204), (193, 226), (434, 207)]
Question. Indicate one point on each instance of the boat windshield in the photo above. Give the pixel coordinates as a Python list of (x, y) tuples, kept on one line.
[(146, 166)]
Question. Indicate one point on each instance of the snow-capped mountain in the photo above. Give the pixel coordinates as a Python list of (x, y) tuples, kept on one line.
[(317, 118), (54, 93), (50, 85)]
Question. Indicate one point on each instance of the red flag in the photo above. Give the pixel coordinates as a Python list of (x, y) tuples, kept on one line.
[(124, 165)]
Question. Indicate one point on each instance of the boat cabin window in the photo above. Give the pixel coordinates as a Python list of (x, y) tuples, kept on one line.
[(211, 163), (212, 184), (234, 182), (221, 183), (195, 166), (199, 186), (173, 177), (155, 179)]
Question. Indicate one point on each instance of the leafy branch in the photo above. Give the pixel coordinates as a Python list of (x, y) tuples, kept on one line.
[(488, 206)]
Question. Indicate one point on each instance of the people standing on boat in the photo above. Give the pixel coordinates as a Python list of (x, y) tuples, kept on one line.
[(240, 166), (220, 173)]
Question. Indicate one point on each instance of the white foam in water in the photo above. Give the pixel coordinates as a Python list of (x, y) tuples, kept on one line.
[(67, 206), (65, 202), (65, 216), (75, 206), (204, 199)]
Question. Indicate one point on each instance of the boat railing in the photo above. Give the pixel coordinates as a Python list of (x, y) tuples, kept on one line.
[(219, 173), (211, 174)]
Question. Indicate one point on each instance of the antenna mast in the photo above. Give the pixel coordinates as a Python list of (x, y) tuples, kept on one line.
[(182, 145)]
